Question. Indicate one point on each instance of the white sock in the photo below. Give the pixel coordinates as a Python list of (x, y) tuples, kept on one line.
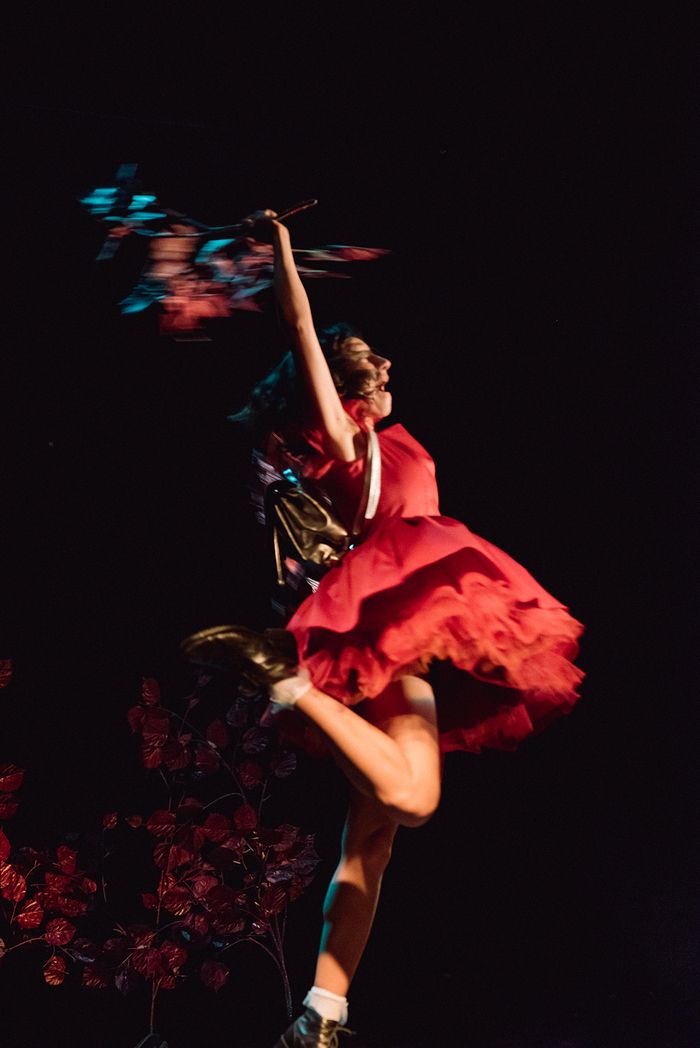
[(287, 692), (329, 1005)]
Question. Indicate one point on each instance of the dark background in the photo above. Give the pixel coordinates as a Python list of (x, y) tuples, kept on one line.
[(530, 176)]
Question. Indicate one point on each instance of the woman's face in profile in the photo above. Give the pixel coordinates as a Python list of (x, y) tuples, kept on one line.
[(374, 393)]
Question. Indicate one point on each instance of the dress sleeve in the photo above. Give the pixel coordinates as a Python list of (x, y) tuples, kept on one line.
[(317, 463)]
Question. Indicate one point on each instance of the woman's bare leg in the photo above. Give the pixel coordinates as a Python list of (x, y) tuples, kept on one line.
[(389, 751), (351, 900), (387, 744)]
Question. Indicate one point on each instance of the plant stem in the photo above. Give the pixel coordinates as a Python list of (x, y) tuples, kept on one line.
[(279, 961), (154, 993), (223, 797), (277, 939)]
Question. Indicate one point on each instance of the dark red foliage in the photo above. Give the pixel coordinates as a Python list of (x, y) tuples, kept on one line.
[(60, 903), (161, 741), (10, 778), (283, 765), (196, 925), (136, 717), (207, 760), (245, 817), (67, 859), (150, 691), (175, 753), (5, 672), (217, 826), (214, 974), (161, 823), (55, 970), (150, 721), (58, 932), (156, 723), (30, 916), (58, 882), (169, 856), (177, 900), (151, 754), (141, 934), (8, 805), (189, 808), (227, 921), (255, 740), (95, 978), (224, 857), (221, 875), (175, 956), (220, 895), (250, 773), (148, 962), (282, 838), (202, 884), (13, 885), (217, 734), (159, 962), (273, 900)]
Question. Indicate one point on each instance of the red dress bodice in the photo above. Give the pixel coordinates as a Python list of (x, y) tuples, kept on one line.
[(408, 486)]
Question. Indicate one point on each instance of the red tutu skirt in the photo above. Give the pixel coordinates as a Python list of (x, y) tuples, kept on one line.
[(425, 595)]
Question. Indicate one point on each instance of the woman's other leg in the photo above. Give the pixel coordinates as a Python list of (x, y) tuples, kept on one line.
[(405, 716), (351, 900)]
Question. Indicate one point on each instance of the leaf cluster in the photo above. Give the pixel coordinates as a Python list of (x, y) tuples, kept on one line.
[(216, 875)]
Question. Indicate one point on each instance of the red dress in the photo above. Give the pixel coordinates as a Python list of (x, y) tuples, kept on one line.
[(423, 589)]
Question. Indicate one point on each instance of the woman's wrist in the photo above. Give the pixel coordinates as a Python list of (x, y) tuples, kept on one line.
[(279, 230)]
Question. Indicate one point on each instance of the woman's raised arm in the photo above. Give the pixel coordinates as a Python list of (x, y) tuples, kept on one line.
[(338, 428)]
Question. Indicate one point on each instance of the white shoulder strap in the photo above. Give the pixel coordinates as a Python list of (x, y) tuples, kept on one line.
[(372, 485), (374, 467)]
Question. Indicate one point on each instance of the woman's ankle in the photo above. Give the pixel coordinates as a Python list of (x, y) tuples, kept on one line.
[(328, 1004), (288, 691)]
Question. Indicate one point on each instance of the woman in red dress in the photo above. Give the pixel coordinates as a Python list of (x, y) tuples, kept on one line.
[(419, 589)]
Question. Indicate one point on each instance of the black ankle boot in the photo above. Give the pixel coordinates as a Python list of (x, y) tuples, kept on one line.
[(311, 1030)]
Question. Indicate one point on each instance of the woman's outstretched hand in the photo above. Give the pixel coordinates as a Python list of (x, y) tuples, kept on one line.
[(261, 226)]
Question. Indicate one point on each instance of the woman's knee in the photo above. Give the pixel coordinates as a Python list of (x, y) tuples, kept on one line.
[(406, 711), (415, 809), (416, 800)]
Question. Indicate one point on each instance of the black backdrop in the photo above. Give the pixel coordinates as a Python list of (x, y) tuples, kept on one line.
[(527, 178)]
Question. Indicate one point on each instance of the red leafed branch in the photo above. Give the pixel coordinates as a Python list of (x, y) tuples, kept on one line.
[(217, 875)]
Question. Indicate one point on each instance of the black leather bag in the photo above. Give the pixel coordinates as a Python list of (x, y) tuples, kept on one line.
[(304, 524)]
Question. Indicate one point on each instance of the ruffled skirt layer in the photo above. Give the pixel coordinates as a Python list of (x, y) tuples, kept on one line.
[(425, 595)]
